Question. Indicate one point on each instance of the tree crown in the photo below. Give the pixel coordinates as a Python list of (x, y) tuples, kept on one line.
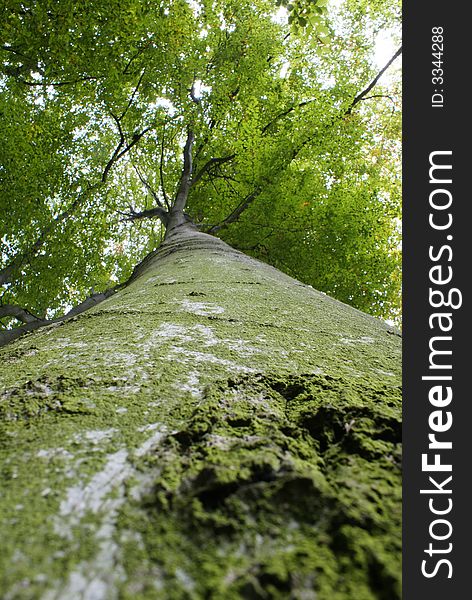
[(295, 142)]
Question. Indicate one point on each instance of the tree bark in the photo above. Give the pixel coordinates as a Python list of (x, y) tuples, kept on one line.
[(215, 429)]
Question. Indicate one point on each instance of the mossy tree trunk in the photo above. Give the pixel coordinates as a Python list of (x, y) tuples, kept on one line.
[(215, 429)]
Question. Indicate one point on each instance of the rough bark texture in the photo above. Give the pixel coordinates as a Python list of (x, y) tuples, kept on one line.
[(214, 430)]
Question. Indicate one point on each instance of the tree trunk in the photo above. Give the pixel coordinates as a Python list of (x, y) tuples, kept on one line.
[(216, 429)]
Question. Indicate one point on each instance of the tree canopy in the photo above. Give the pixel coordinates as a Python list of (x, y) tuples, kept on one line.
[(295, 152)]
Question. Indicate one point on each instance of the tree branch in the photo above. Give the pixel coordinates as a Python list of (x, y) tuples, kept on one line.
[(206, 167), (372, 96), (204, 141), (11, 310), (374, 81), (285, 113), (8, 271), (13, 51), (161, 171), (6, 274), (9, 335), (121, 143), (234, 216), (361, 96), (192, 94), (118, 153), (38, 69), (135, 56), (12, 334), (58, 83), (148, 186), (186, 178), (134, 215), (134, 141), (133, 95)]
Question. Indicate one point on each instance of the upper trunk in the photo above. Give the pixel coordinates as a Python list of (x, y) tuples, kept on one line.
[(178, 221), (214, 430)]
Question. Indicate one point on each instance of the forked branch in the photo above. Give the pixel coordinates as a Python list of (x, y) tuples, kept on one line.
[(209, 164), (119, 152), (374, 81), (157, 211)]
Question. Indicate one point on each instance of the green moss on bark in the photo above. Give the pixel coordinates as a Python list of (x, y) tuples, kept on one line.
[(215, 429), (274, 489)]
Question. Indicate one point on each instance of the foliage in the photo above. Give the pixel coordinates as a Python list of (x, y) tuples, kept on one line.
[(290, 165)]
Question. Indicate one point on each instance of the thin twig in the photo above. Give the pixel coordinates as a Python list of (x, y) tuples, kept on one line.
[(148, 186), (206, 167), (135, 56), (234, 216), (374, 81), (133, 95), (285, 113), (118, 153)]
